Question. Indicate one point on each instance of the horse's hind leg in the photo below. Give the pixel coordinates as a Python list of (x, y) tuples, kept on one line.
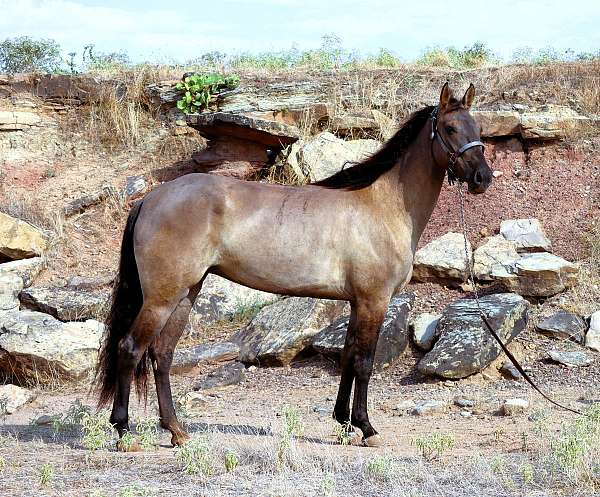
[(147, 325), (161, 354), (341, 411)]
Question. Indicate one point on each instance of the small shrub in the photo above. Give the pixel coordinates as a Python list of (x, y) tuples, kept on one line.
[(385, 58), (127, 441), (2, 464), (292, 428), (231, 460), (97, 431), (46, 474), (134, 490), (198, 89), (24, 54), (434, 445), (147, 431), (328, 485), (527, 473), (196, 456), (343, 433), (380, 468)]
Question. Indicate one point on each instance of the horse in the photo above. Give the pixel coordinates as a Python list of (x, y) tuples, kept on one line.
[(351, 236)]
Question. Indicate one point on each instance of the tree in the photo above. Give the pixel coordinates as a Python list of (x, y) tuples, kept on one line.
[(24, 54)]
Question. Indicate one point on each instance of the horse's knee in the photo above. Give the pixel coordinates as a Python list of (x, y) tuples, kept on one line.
[(129, 352)]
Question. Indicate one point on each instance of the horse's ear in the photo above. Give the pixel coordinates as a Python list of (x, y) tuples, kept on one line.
[(445, 96), (467, 100)]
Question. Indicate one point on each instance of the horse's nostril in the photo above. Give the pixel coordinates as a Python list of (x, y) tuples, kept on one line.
[(477, 178)]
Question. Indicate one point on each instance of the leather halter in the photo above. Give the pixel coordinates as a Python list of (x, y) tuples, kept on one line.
[(453, 155)]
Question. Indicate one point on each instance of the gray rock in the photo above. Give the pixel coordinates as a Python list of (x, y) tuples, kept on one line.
[(429, 407), (464, 402), (280, 331), (39, 347), (393, 336), (80, 204), (226, 375), (66, 304), (187, 359), (563, 325), (509, 370), (193, 402), (536, 275), (570, 359), (512, 407), (135, 186), (10, 287), (26, 269), (424, 328), (551, 122), (327, 154), (221, 299), (442, 260), (592, 337), (465, 345), (89, 282), (527, 234), (12, 397), (496, 250)]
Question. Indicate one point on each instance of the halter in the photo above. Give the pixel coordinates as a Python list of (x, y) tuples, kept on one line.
[(453, 156)]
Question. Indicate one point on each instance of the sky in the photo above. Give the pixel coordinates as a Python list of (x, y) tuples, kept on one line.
[(179, 31)]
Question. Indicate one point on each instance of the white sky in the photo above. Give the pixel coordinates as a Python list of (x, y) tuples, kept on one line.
[(149, 29)]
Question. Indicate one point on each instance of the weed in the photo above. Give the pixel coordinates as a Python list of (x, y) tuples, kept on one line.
[(380, 468), (328, 485), (3, 409), (46, 474), (231, 460), (134, 490), (434, 445), (245, 310), (292, 428), (2, 464), (198, 90), (196, 456), (527, 473), (127, 441), (147, 430), (343, 433), (97, 430)]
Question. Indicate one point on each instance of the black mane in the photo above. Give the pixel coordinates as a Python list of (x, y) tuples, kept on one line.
[(366, 172)]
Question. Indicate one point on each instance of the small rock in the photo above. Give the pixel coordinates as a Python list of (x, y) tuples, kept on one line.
[(496, 250), (527, 234), (429, 407), (12, 397), (135, 186), (570, 359), (464, 402), (322, 410), (509, 370), (226, 375), (10, 287), (513, 407), (563, 325), (497, 174), (20, 240), (45, 420), (424, 330), (466, 414), (592, 337), (405, 406), (193, 401), (66, 304), (26, 269)]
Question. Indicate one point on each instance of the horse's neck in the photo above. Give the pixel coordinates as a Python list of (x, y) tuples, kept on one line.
[(414, 185)]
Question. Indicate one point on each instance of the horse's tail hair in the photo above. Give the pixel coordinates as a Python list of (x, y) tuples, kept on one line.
[(126, 304)]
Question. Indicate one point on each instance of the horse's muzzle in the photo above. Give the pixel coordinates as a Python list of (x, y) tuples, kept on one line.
[(481, 180)]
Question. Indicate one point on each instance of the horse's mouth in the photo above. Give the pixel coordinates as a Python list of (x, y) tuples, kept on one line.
[(477, 189)]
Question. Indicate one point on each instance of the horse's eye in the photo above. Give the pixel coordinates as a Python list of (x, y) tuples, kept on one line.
[(450, 130)]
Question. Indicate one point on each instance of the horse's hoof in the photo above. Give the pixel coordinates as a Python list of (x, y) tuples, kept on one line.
[(130, 447), (179, 439), (373, 441)]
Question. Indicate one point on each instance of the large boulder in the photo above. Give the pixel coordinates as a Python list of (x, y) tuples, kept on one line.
[(551, 122), (393, 335), (38, 347), (536, 275), (66, 304), (563, 325), (19, 240), (12, 397), (465, 345), (442, 260), (10, 287), (185, 360), (527, 234), (496, 250), (496, 123), (280, 331), (26, 269), (221, 299), (327, 154)]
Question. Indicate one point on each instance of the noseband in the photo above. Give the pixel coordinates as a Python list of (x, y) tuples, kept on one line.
[(453, 155)]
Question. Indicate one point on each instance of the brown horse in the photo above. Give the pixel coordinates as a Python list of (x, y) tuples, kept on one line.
[(349, 237)]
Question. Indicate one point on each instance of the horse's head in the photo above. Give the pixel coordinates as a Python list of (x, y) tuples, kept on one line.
[(456, 140)]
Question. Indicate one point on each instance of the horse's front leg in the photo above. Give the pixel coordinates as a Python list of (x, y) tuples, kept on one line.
[(341, 411), (370, 316)]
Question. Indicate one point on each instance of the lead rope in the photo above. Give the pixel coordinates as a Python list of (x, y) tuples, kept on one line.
[(484, 318)]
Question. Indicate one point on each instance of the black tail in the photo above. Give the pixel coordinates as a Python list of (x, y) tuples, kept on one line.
[(126, 304)]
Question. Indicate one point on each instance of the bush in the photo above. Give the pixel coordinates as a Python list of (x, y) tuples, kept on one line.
[(476, 55), (197, 90), (23, 54)]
